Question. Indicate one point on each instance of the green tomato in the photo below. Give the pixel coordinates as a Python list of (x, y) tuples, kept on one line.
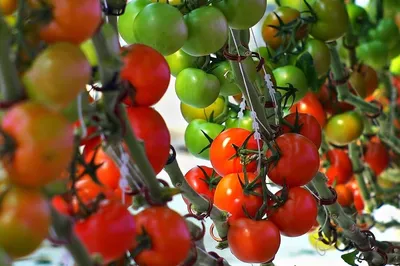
[(296, 4), (291, 75), (90, 52), (196, 140), (208, 31), (234, 121), (223, 72), (242, 14), (126, 20), (197, 88), (386, 32), (395, 66), (267, 54), (320, 54), (374, 54), (180, 60), (344, 128), (190, 113), (161, 27), (358, 17)]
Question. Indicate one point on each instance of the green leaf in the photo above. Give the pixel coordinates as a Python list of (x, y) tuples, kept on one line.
[(350, 258), (306, 63)]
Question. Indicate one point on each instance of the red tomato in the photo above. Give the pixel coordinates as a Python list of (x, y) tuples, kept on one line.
[(148, 73), (309, 104), (169, 234), (231, 197), (222, 150), (253, 241), (61, 205), (340, 169), (377, 156), (298, 162), (149, 126), (344, 195), (110, 231), (330, 103), (297, 215), (203, 180), (89, 134), (358, 201), (306, 125)]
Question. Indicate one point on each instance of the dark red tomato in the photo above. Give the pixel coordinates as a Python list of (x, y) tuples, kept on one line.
[(330, 103), (304, 124), (344, 195), (298, 161), (110, 231), (222, 150), (148, 73), (340, 169), (377, 156), (169, 235), (253, 241), (231, 197), (203, 180), (297, 215), (153, 132), (309, 104)]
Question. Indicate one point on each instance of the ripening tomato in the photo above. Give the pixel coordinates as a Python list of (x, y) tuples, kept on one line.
[(342, 129), (357, 82), (370, 78), (214, 110), (298, 160), (222, 151), (8, 7), (169, 235), (377, 156), (297, 215), (203, 180), (310, 105), (24, 221), (344, 195), (230, 196), (320, 54), (264, 238), (304, 124), (147, 72), (44, 144), (109, 231)]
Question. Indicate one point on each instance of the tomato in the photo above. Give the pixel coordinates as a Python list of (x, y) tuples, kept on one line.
[(309, 104), (90, 133), (108, 232), (58, 74), (370, 78), (180, 60), (153, 132), (24, 221), (61, 205), (395, 66), (230, 196), (340, 169), (245, 122), (358, 17), (298, 161), (385, 32), (332, 19), (8, 7), (161, 27), (208, 31), (345, 195), (374, 53), (195, 140), (44, 144), (287, 15), (376, 155), (316, 243), (215, 109), (223, 72), (342, 129), (320, 54), (253, 241), (328, 98), (126, 20), (73, 21), (223, 149), (358, 83), (358, 201), (291, 75), (197, 88), (169, 235), (203, 180), (242, 14), (306, 125), (297, 215), (148, 73)]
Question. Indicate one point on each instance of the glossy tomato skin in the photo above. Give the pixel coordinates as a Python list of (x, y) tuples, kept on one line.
[(230, 196), (200, 179), (153, 131), (370, 78), (222, 150), (109, 231), (291, 75), (264, 238), (340, 170), (305, 125), (180, 60), (170, 236), (148, 73), (298, 161), (297, 215), (342, 129), (320, 54), (345, 195), (24, 221), (44, 144), (310, 105), (358, 83), (377, 156)]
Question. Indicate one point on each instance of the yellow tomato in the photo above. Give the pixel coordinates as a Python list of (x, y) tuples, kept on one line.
[(313, 238), (190, 113)]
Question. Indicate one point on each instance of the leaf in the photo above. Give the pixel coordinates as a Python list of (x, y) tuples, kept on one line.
[(306, 63), (350, 258)]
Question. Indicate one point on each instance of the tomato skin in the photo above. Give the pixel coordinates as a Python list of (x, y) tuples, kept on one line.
[(309, 104), (264, 238), (222, 150), (358, 201), (342, 129), (58, 75), (297, 215), (180, 60), (309, 127), (61, 205), (370, 78), (24, 215), (8, 7), (340, 169), (345, 195), (374, 53), (154, 132), (293, 75), (298, 162), (357, 17), (358, 83), (148, 72), (164, 226), (246, 122), (197, 180), (44, 144), (190, 113), (223, 72), (377, 156), (320, 54), (230, 196), (108, 232)]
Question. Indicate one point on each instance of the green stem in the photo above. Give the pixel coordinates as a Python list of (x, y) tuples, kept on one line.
[(392, 95), (351, 42)]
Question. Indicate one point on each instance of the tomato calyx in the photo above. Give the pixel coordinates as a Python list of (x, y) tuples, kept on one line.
[(144, 243), (8, 145), (211, 180), (290, 92), (209, 139), (249, 187), (246, 155)]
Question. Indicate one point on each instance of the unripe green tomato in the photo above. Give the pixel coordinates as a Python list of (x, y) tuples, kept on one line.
[(374, 53), (344, 128), (296, 4), (191, 113), (223, 72), (233, 121), (386, 32), (180, 60), (291, 75), (358, 16)]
